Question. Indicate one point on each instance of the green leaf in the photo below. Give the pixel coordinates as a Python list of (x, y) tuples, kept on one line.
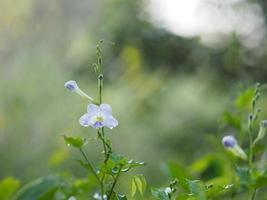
[(175, 170), (133, 187), (138, 183), (8, 187), (215, 190), (260, 180), (39, 188), (118, 159), (233, 120), (244, 175), (244, 99), (159, 194), (197, 189), (75, 142)]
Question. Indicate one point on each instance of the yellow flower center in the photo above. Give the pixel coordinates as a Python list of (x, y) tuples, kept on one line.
[(99, 119)]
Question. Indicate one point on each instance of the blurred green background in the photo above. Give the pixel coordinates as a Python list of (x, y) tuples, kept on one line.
[(171, 68)]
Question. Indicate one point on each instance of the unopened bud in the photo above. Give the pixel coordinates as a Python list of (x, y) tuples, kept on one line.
[(73, 87)]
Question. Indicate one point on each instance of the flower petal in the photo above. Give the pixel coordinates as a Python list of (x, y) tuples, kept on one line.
[(110, 122), (85, 120), (92, 108), (106, 108), (71, 85), (97, 125)]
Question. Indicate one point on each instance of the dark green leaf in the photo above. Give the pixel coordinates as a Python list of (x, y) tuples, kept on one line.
[(244, 175), (38, 189)]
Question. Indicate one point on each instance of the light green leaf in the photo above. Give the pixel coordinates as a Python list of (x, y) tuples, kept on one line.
[(75, 142), (138, 183), (244, 99), (7, 187), (133, 187)]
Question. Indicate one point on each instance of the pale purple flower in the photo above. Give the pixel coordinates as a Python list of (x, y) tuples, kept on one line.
[(231, 144), (229, 141), (73, 87), (98, 117)]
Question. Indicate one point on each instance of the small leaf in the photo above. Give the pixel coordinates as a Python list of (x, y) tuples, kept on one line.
[(138, 183), (118, 159), (197, 189), (244, 99), (133, 187), (215, 190), (7, 187), (159, 194), (233, 120), (75, 142), (244, 175), (261, 180)]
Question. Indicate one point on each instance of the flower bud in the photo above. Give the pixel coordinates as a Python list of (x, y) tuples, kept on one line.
[(231, 144), (261, 134), (229, 141), (73, 87)]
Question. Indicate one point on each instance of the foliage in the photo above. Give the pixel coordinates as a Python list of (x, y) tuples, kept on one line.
[(237, 171)]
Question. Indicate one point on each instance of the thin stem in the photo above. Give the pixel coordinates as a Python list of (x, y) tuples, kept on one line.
[(250, 158), (103, 142), (253, 194), (114, 184), (92, 169), (100, 87)]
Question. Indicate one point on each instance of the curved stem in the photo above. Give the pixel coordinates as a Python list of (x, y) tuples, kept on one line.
[(92, 169), (253, 194), (114, 184)]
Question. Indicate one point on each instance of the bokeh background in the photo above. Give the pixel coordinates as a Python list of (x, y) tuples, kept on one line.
[(172, 68)]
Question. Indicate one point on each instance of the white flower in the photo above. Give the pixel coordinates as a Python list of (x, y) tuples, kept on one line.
[(98, 117)]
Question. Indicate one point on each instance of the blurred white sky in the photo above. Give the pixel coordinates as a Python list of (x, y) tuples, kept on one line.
[(211, 20)]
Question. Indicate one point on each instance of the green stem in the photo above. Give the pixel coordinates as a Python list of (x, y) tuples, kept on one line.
[(114, 184), (250, 156), (101, 137), (100, 87), (253, 194), (92, 169)]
